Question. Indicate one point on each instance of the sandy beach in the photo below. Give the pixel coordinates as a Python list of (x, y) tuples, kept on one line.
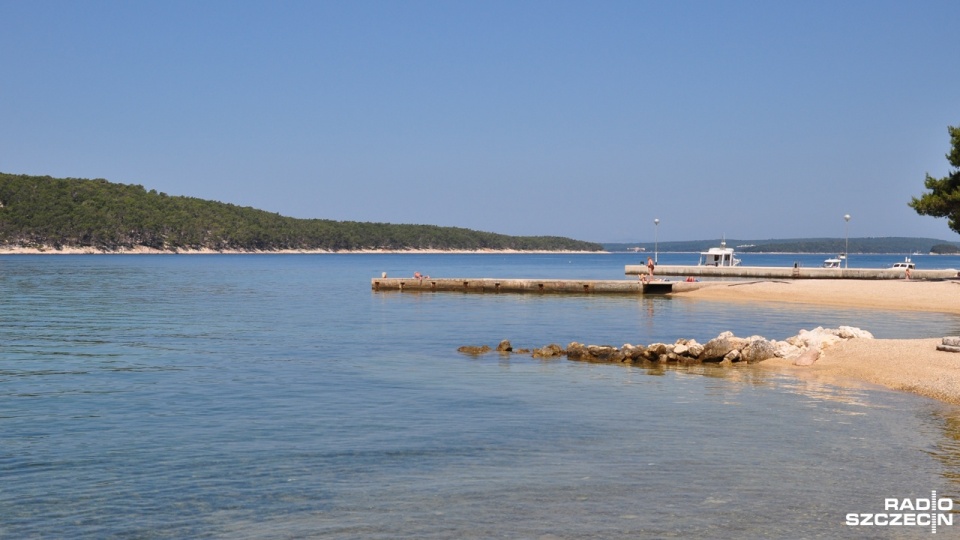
[(893, 294), (911, 365)]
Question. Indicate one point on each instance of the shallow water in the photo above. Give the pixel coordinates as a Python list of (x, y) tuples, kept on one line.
[(278, 397)]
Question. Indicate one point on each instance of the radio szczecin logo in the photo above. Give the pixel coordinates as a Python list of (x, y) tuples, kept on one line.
[(933, 512)]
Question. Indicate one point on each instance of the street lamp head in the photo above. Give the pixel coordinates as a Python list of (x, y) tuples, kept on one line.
[(846, 241), (656, 242)]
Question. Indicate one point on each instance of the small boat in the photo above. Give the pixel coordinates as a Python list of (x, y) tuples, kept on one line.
[(718, 256), (907, 264), (832, 263)]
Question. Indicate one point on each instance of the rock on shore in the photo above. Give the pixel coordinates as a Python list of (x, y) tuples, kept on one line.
[(726, 348)]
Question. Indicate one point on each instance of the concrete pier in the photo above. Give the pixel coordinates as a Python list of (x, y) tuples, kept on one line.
[(635, 286), (543, 286), (778, 272)]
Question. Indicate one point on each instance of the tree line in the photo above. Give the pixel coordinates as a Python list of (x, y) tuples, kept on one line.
[(39, 211)]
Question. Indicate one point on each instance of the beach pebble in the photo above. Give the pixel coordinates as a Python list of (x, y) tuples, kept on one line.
[(807, 357), (474, 350), (952, 341)]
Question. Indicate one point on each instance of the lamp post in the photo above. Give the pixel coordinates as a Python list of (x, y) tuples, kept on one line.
[(656, 239), (846, 241)]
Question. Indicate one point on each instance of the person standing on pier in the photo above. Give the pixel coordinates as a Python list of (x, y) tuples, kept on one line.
[(650, 266)]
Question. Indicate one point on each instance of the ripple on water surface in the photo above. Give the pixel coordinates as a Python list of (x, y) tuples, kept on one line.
[(277, 397)]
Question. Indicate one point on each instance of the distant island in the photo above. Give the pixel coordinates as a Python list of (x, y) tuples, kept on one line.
[(803, 245), (41, 213)]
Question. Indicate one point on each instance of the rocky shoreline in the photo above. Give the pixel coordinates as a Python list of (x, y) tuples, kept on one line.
[(802, 349)]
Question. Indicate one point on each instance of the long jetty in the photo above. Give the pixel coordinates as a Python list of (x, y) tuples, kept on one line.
[(795, 272), (656, 286), (568, 286)]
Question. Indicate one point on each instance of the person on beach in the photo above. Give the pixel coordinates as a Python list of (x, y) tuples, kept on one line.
[(906, 274)]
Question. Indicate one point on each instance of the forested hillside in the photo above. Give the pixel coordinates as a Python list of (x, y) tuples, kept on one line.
[(39, 211)]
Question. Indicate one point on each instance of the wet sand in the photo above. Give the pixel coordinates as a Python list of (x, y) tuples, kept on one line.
[(911, 365)]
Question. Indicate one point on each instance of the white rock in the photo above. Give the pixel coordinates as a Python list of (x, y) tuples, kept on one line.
[(851, 332), (786, 349)]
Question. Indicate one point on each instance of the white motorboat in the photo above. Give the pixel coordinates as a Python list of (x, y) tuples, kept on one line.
[(719, 256), (833, 262), (907, 264)]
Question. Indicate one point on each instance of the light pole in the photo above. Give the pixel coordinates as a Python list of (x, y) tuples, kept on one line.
[(656, 239), (846, 241)]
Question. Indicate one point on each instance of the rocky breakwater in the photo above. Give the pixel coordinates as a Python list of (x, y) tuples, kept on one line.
[(725, 349)]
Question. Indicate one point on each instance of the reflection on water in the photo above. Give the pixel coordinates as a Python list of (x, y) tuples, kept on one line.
[(277, 397), (946, 449)]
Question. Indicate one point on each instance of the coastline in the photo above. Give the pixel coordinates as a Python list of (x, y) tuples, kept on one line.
[(905, 365), (908, 365), (143, 250)]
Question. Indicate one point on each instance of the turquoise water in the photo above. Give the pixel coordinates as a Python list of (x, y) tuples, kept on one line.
[(277, 396)]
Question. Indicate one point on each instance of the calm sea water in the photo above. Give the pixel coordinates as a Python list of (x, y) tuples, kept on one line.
[(277, 396)]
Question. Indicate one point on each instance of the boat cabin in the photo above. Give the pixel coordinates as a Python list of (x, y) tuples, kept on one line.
[(718, 256), (907, 264), (832, 263)]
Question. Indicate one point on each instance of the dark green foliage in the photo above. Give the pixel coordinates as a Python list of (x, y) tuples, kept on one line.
[(943, 200), (58, 212), (890, 244), (945, 249)]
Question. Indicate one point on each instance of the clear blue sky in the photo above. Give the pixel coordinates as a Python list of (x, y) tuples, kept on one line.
[(749, 119)]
